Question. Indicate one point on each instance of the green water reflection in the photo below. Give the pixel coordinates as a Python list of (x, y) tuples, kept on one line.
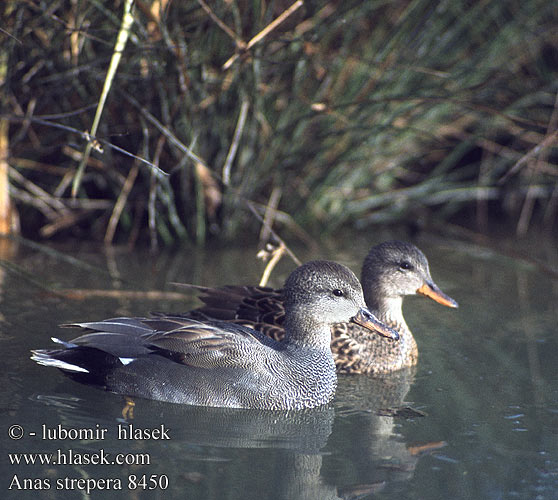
[(485, 390)]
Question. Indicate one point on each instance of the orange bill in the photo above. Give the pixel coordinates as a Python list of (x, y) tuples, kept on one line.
[(431, 290), (367, 320)]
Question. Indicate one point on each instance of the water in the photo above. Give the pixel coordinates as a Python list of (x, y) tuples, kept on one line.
[(477, 419)]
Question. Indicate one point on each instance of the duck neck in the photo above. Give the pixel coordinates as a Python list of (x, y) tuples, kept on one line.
[(306, 331), (389, 310)]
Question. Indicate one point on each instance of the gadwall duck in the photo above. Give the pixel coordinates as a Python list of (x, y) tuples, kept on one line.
[(390, 271), (214, 363)]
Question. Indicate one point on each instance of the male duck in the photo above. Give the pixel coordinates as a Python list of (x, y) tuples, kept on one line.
[(390, 271), (215, 363)]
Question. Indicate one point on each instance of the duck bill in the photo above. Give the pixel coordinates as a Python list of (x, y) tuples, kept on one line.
[(367, 320), (432, 291)]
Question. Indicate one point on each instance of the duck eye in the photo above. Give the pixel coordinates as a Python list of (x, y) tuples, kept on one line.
[(338, 293), (405, 266)]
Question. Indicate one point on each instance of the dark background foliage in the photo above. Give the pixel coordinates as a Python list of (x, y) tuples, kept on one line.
[(346, 113)]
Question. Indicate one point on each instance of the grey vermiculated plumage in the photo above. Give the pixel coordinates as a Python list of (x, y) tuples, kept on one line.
[(391, 271), (215, 363)]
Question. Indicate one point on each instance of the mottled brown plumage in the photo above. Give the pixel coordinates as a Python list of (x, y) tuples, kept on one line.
[(390, 271)]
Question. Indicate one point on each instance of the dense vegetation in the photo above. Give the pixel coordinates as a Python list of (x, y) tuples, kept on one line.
[(343, 113)]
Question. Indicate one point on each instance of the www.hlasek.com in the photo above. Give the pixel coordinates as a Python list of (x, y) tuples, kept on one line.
[(71, 457)]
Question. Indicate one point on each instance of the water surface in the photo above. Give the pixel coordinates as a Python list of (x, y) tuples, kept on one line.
[(478, 418)]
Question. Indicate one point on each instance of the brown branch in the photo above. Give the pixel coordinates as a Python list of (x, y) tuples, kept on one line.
[(290, 253), (263, 33), (269, 214), (239, 42), (80, 294), (120, 203), (276, 255), (547, 142)]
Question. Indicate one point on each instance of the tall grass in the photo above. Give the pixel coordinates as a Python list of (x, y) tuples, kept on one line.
[(358, 113)]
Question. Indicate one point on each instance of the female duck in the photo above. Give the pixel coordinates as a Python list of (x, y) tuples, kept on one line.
[(213, 363), (390, 271)]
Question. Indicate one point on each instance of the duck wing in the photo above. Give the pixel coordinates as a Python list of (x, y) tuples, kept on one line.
[(257, 307), (121, 337), (183, 340)]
